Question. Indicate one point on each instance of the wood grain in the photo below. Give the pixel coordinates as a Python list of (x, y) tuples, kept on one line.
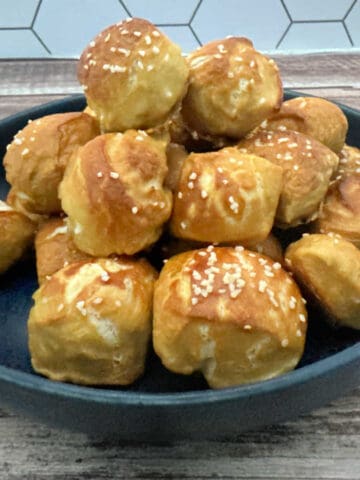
[(323, 445), (59, 76), (15, 103)]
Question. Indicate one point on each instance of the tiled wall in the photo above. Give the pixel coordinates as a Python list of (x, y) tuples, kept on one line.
[(61, 28)]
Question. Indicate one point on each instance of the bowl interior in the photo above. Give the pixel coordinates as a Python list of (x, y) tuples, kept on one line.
[(18, 284)]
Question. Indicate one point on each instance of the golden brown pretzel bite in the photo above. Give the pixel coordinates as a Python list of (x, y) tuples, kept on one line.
[(232, 314), (133, 76)]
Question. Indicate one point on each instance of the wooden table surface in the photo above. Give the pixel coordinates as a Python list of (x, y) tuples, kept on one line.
[(322, 445)]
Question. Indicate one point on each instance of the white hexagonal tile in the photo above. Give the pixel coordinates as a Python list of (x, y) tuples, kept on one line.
[(216, 19), (20, 44), (318, 9), (315, 36), (353, 24), (67, 26), (17, 14), (183, 36), (160, 12)]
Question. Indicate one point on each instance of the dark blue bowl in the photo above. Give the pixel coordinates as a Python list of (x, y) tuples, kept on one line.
[(163, 406)]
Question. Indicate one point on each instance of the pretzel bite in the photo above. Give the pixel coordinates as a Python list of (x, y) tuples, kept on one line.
[(307, 165), (55, 249), (176, 155), (182, 134), (16, 234), (90, 112), (340, 212), (315, 117), (21, 202), (329, 268), (36, 159), (226, 196), (91, 322), (270, 247), (232, 314), (349, 160), (177, 129), (113, 193), (232, 89), (133, 75)]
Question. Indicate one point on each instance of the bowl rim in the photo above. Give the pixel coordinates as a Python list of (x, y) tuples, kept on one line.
[(35, 382), (296, 377)]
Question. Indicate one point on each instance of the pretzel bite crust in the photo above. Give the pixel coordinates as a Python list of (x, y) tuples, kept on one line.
[(271, 247), (16, 234), (232, 314), (91, 322), (20, 202), (182, 133), (226, 196), (316, 117), (113, 193), (133, 76), (55, 248), (307, 166), (349, 160), (176, 155), (35, 161), (340, 212), (232, 88), (329, 267)]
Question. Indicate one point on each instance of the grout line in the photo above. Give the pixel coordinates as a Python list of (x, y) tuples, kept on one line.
[(172, 24), (125, 8), (14, 28), (283, 35), (195, 35), (318, 21), (347, 33), (195, 11), (36, 13), (351, 7), (286, 9), (41, 41)]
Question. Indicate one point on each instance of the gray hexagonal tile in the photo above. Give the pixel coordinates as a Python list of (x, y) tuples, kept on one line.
[(17, 14), (315, 36), (353, 24), (318, 9), (160, 12), (215, 19), (183, 36), (67, 26), (20, 44)]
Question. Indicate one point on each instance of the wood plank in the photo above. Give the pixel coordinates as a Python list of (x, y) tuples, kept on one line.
[(24, 77), (316, 446), (10, 104), (16, 103), (348, 96), (38, 77), (323, 445), (320, 70)]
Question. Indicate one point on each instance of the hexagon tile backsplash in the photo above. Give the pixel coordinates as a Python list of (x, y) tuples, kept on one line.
[(62, 28)]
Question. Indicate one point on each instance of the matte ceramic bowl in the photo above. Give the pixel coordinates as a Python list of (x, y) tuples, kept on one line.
[(163, 406)]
